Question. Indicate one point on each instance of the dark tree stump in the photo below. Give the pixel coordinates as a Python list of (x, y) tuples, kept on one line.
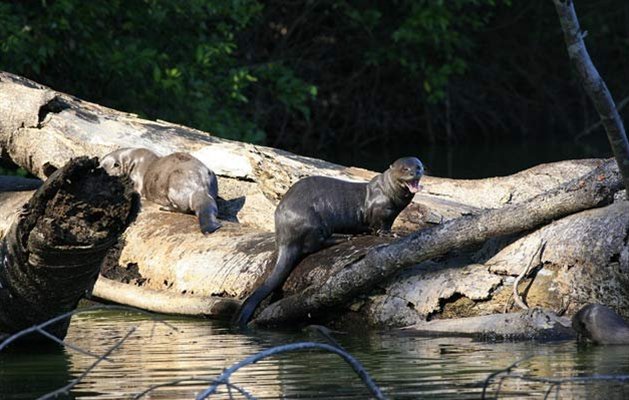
[(52, 253)]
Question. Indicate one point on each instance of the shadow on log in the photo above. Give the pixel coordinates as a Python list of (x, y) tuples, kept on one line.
[(52, 253), (386, 282)]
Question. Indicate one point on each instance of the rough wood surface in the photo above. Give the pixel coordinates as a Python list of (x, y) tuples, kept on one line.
[(595, 189), (534, 324), (163, 256), (53, 251)]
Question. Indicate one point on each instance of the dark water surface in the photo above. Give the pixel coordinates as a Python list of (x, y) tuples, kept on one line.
[(406, 367)]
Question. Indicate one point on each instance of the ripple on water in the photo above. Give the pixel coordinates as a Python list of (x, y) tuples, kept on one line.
[(406, 367)]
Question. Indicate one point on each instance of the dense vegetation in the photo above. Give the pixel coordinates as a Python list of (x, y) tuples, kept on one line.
[(328, 78)]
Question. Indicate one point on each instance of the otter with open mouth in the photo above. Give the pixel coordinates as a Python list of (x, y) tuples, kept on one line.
[(316, 207)]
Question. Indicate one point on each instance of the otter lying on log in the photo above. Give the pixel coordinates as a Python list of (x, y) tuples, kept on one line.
[(178, 182), (601, 325), (316, 207)]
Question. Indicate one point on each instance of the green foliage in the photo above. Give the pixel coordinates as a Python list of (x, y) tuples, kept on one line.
[(430, 39), (317, 76), (172, 60)]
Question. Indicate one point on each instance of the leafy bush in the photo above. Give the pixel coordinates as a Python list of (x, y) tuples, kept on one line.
[(173, 60)]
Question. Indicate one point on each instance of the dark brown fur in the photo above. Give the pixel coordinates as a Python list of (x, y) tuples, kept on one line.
[(316, 207), (601, 325)]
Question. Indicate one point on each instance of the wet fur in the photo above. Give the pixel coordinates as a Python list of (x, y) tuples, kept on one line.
[(316, 207), (601, 325), (179, 182)]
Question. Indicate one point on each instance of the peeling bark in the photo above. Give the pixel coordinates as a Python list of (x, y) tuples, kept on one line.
[(594, 190), (168, 266)]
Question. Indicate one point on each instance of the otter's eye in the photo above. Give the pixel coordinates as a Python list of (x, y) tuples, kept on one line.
[(407, 169), (116, 165)]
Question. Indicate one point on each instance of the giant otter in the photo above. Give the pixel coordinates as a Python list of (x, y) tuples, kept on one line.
[(601, 325), (179, 182), (316, 207)]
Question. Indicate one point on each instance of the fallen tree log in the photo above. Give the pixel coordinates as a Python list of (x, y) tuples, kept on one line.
[(533, 324), (165, 257), (595, 189), (52, 253)]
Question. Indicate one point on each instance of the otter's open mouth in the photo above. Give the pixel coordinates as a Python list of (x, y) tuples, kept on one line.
[(413, 185)]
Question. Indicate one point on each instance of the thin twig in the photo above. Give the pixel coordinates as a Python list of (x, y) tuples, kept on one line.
[(507, 370), (621, 104), (37, 328), (555, 383), (326, 333), (356, 366), (176, 382), (516, 296), (69, 345), (74, 382)]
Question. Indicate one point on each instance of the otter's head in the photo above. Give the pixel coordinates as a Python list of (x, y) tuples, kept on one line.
[(129, 162), (407, 172), (597, 323)]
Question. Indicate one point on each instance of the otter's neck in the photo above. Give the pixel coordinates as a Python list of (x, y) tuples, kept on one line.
[(393, 188), (384, 187), (139, 167)]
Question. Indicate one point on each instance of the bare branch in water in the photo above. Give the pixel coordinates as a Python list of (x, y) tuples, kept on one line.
[(554, 383), (40, 327), (76, 381), (356, 366), (496, 373), (176, 382)]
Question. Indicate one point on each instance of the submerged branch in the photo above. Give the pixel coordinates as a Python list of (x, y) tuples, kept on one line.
[(356, 366)]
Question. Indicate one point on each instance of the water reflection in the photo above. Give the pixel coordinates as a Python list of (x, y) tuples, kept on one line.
[(27, 372), (406, 367)]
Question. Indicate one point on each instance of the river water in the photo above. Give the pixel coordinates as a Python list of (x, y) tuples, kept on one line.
[(404, 366)]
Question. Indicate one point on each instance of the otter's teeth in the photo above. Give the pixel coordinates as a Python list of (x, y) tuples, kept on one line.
[(413, 186)]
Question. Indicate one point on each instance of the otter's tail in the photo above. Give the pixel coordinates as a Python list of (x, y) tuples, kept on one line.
[(286, 259), (205, 208)]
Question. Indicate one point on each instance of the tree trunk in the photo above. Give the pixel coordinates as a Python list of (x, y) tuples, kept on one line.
[(594, 85), (53, 251), (165, 264)]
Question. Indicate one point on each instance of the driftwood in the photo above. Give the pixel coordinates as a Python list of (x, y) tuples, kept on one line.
[(379, 280), (53, 251), (533, 324)]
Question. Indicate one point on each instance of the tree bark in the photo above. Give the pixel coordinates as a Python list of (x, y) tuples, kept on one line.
[(594, 85), (380, 263), (53, 251), (533, 324), (165, 264)]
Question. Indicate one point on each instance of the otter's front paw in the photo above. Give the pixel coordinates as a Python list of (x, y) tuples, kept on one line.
[(386, 233)]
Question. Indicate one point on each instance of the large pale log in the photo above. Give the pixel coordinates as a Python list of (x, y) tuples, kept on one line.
[(595, 189), (166, 259)]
